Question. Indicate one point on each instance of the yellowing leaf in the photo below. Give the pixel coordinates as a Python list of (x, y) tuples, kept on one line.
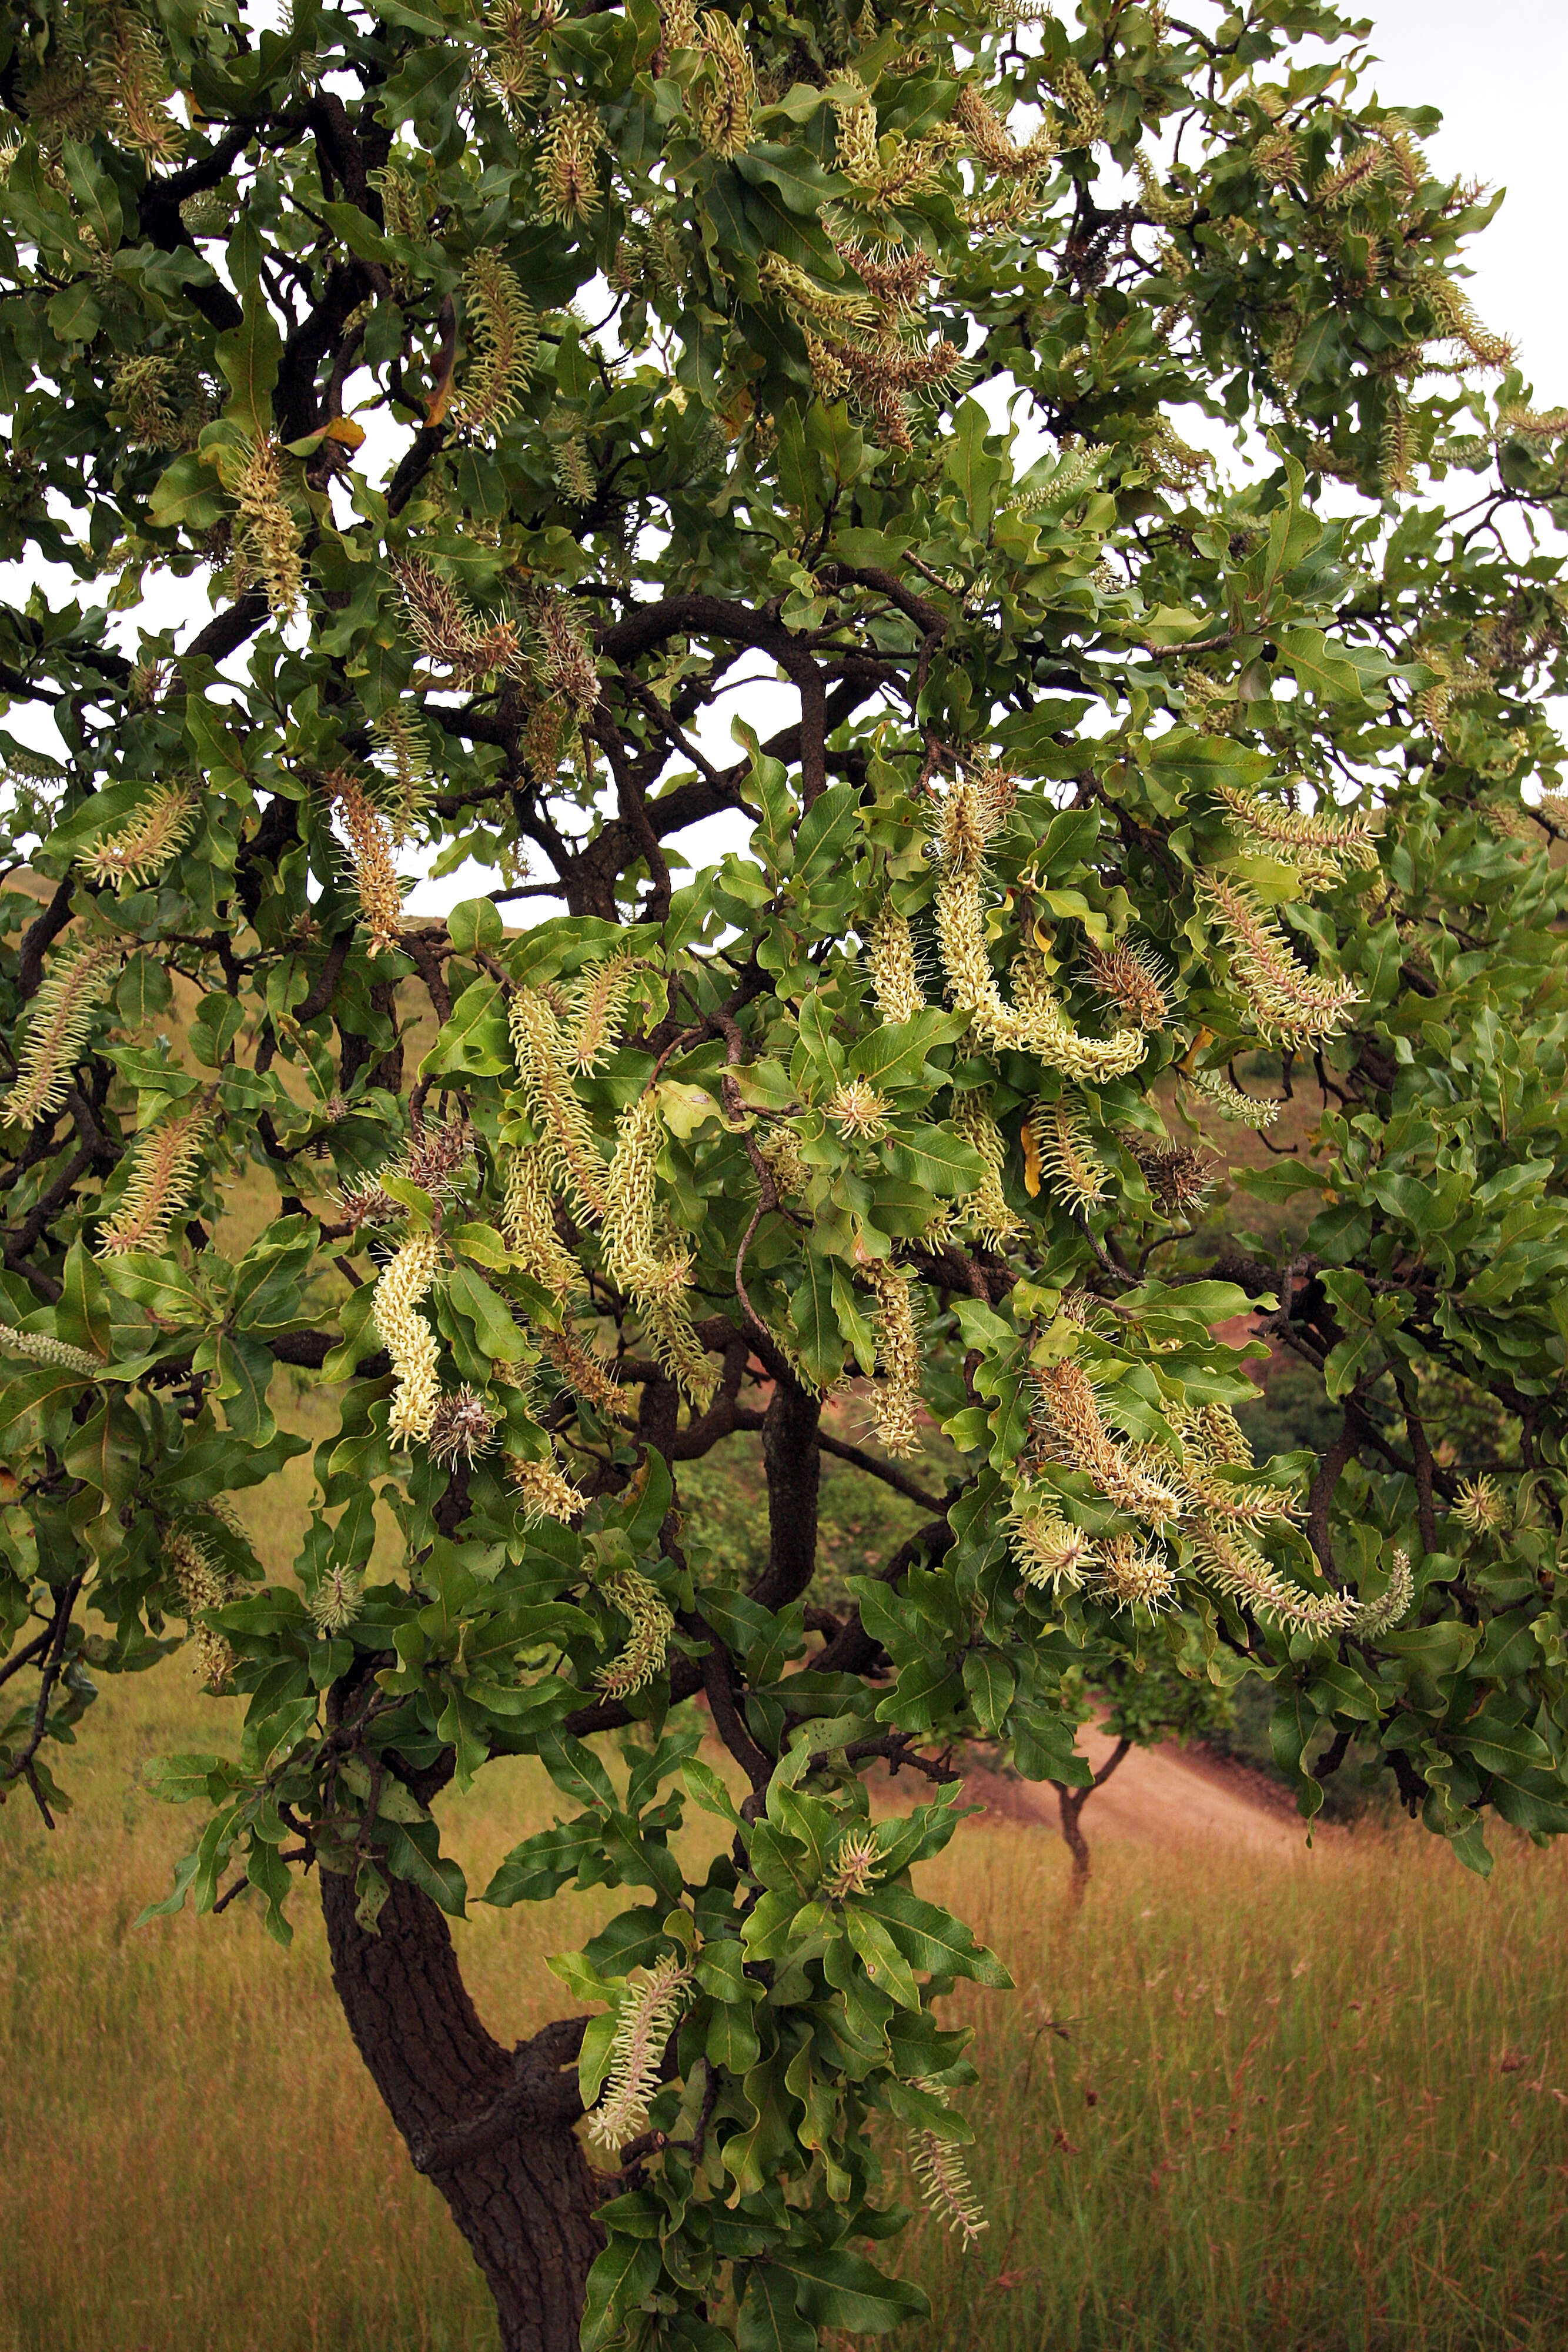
[(1031, 1160)]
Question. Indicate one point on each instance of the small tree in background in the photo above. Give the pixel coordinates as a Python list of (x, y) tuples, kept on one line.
[(1136, 1701), (850, 349)]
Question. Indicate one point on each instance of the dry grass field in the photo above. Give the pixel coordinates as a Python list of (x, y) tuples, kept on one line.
[(1251, 2101)]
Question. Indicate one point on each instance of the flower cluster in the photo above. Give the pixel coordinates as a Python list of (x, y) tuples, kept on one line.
[(199, 1587), (1290, 1005), (369, 846), (643, 1259), (138, 851), (166, 1162), (648, 1614), (503, 337), (647, 2014), (44, 1349), (854, 1868), (547, 1493), (59, 1022), (408, 1337), (1057, 1147), (890, 958), (896, 1397), (267, 539), (943, 2178)]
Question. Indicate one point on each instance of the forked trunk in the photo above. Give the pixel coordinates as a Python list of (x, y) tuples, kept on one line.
[(1070, 1804), (491, 2127)]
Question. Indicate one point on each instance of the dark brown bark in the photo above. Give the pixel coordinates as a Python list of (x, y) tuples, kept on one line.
[(491, 2127), (792, 1459)]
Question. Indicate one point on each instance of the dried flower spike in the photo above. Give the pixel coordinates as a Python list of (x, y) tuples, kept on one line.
[(1130, 976), (461, 1428), (1290, 1005), (1073, 1432)]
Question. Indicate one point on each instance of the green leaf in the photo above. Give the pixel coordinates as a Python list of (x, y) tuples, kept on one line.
[(935, 1161), (106, 1451), (163, 1289), (475, 1041), (22, 1393), (250, 355), (893, 1055), (213, 1028), (826, 832), (1319, 667), (619, 2281), (814, 1323), (879, 1956), (186, 495), (839, 2289), (768, 2320), (931, 1938), (474, 924), (498, 1335), (990, 1683), (413, 1853), (81, 1317), (576, 1771)]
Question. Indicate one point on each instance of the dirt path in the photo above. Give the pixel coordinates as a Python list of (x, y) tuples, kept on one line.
[(1158, 1795)]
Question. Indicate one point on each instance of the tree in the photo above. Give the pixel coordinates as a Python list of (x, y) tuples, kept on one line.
[(863, 354), (1138, 1700)]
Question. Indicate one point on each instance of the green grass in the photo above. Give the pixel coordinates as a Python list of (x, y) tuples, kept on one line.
[(1243, 2105)]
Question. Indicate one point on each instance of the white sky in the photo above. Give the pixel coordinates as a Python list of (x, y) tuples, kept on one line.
[(1497, 71)]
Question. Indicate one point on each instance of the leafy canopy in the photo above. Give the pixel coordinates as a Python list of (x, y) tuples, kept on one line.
[(499, 394)]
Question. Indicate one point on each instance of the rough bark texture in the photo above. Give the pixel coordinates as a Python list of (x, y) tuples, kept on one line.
[(792, 1462), (491, 2127)]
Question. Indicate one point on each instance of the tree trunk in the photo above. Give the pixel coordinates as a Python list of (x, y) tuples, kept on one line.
[(491, 2127), (1070, 1804)]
